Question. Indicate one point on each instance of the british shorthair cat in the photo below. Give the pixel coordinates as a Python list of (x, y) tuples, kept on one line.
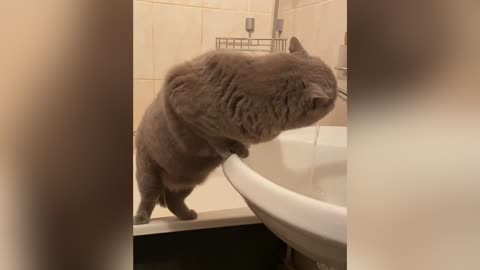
[(217, 105)]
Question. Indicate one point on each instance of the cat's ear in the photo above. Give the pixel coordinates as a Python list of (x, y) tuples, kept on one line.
[(317, 93), (296, 47)]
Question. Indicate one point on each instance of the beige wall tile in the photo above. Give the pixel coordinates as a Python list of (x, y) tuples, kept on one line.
[(177, 32), (143, 93), (291, 4), (287, 4), (237, 5), (261, 6), (263, 25), (221, 23), (263, 28), (143, 40), (301, 3), (288, 24), (321, 28), (196, 3)]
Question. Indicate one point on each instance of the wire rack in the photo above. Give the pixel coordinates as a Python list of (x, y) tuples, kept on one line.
[(252, 44)]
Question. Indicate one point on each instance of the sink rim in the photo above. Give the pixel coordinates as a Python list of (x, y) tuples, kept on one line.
[(333, 218)]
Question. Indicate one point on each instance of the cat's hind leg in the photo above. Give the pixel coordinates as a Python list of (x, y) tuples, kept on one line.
[(149, 197), (176, 204), (150, 187)]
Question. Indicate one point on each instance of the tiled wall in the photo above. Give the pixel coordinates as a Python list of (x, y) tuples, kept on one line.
[(320, 25), (167, 32)]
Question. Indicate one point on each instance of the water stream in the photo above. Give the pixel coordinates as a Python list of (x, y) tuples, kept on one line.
[(314, 156)]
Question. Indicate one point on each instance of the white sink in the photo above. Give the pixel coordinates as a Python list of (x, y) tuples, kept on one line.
[(275, 181)]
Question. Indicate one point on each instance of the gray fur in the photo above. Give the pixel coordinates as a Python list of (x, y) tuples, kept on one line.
[(216, 105)]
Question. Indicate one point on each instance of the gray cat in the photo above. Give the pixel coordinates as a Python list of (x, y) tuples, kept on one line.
[(217, 105)]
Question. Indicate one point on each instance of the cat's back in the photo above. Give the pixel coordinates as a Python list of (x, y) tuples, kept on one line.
[(207, 67), (148, 133), (171, 142)]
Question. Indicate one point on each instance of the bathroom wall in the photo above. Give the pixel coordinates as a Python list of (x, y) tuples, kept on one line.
[(167, 32), (320, 25)]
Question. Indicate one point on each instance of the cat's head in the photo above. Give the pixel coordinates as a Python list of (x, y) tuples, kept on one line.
[(312, 90)]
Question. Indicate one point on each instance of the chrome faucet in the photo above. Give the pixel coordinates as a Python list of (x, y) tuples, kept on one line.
[(342, 75)]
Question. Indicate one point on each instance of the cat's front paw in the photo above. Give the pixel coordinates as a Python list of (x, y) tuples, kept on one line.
[(239, 149), (139, 220)]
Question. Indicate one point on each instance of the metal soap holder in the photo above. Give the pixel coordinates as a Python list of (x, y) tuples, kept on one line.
[(253, 44)]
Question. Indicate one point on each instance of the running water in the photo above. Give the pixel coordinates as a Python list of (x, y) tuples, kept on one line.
[(314, 156)]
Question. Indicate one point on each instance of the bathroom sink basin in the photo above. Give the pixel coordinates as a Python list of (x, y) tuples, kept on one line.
[(302, 204)]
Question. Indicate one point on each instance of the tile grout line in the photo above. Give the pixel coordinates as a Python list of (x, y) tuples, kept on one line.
[(211, 8), (243, 11), (144, 79), (307, 5), (153, 49), (201, 30)]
